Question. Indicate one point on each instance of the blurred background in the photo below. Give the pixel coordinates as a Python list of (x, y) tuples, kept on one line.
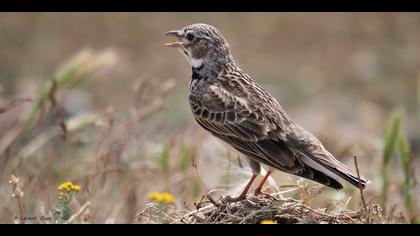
[(117, 123)]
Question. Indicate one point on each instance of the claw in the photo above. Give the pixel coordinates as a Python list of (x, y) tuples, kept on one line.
[(229, 199), (258, 192)]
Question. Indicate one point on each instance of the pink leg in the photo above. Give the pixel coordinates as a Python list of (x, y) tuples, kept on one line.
[(243, 194), (258, 190)]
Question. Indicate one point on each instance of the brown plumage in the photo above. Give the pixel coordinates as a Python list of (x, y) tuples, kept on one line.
[(226, 102)]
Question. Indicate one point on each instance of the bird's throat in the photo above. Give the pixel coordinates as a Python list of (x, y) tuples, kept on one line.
[(196, 63), (196, 73)]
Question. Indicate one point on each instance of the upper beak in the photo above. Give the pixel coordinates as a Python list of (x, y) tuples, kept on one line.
[(178, 44), (172, 33)]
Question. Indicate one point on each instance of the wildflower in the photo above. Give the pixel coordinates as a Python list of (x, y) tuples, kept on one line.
[(76, 188), (18, 193), (166, 198), (14, 180), (268, 222), (68, 187), (67, 192)]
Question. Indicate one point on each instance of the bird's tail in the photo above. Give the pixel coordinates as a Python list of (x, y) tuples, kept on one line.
[(332, 171), (350, 176)]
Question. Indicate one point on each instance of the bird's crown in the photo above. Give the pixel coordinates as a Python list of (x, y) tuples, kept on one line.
[(205, 31)]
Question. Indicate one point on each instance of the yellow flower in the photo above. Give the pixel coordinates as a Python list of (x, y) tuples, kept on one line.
[(153, 196), (161, 197), (168, 198), (76, 188), (68, 187), (268, 222)]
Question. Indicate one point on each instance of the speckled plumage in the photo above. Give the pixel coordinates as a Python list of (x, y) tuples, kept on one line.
[(226, 102)]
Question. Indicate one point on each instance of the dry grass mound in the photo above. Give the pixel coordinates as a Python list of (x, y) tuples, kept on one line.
[(256, 210)]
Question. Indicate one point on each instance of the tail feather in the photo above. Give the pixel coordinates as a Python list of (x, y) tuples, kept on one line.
[(336, 170), (350, 177), (320, 177)]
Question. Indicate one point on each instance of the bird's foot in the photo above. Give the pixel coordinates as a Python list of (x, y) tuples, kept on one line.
[(229, 199), (259, 192)]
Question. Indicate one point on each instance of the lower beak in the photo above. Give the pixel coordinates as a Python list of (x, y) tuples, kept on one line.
[(177, 44)]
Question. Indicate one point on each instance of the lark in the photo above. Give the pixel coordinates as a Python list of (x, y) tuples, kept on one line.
[(226, 102)]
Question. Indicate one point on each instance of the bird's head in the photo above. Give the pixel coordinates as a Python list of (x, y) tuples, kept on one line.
[(202, 45)]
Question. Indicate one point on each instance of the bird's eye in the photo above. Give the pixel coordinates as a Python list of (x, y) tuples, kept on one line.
[(189, 36)]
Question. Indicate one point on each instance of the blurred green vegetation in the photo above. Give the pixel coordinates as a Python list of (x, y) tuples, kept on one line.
[(391, 137), (396, 140)]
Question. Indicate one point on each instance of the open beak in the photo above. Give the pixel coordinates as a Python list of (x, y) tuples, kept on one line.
[(177, 44)]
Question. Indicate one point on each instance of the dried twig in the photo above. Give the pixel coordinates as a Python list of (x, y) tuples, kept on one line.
[(51, 94), (63, 131), (81, 210), (361, 189), (13, 104)]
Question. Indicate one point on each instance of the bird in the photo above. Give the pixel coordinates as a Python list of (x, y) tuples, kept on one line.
[(229, 104)]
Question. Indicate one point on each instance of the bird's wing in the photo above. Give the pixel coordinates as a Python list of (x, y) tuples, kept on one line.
[(247, 117), (257, 126), (248, 124)]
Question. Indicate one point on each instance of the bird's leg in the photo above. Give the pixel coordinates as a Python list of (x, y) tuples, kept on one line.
[(258, 190), (243, 194)]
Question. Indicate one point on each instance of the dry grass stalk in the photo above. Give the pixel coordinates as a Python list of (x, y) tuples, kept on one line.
[(78, 213), (361, 189)]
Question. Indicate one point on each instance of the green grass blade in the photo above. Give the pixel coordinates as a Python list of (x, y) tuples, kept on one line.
[(391, 135), (403, 149), (164, 161), (185, 158), (197, 188)]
